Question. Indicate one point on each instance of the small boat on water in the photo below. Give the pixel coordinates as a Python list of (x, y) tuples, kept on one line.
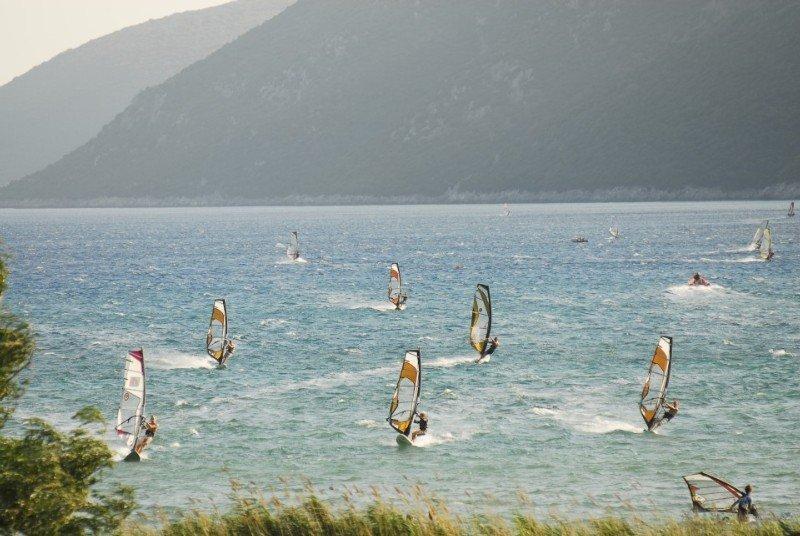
[(580, 239)]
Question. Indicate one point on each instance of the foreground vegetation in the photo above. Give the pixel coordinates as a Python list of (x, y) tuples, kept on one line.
[(254, 516), (46, 475)]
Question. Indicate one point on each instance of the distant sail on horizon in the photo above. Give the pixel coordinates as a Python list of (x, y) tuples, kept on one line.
[(614, 229), (654, 391), (132, 406), (791, 209), (293, 250)]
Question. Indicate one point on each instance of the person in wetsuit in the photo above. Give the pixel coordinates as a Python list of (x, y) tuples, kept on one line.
[(423, 425), (698, 280), (150, 429), (493, 344), (228, 350), (744, 506), (670, 410)]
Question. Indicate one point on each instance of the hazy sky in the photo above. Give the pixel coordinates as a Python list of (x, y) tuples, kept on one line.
[(33, 31)]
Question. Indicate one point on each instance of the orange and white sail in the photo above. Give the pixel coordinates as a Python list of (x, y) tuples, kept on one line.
[(651, 403), (217, 335), (405, 398)]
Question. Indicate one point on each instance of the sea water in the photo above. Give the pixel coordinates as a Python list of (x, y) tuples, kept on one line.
[(553, 416)]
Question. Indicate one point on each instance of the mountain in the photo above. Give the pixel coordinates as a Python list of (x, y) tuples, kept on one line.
[(461, 100), (59, 105)]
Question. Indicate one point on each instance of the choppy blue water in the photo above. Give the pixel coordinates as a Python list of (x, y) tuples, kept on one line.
[(553, 414)]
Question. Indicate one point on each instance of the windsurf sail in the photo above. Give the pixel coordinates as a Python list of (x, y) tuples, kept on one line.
[(217, 336), (655, 385), (791, 209), (614, 230), (293, 250), (396, 294), (712, 494), (506, 210), (757, 238), (765, 249), (481, 324), (131, 408), (405, 399)]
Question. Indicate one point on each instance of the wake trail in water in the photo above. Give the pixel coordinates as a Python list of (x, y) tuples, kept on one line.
[(165, 360), (590, 424), (350, 303), (687, 291)]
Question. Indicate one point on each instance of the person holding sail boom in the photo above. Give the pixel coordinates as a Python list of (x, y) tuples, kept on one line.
[(150, 428), (493, 344), (230, 347), (670, 410), (744, 506), (423, 425)]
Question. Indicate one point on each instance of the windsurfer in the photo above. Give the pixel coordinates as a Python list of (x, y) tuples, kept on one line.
[(744, 506), (670, 410), (698, 280), (423, 425), (150, 428), (228, 351), (493, 344)]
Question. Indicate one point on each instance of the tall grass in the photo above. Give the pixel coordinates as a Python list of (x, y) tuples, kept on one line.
[(254, 515)]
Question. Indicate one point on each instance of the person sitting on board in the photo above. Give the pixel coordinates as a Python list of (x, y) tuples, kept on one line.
[(150, 429), (423, 426), (744, 506), (670, 410), (493, 344), (698, 280), (228, 350)]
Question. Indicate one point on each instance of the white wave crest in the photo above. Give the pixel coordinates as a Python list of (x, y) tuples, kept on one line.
[(165, 360)]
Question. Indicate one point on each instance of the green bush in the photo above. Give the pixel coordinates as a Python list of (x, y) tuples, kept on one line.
[(46, 476)]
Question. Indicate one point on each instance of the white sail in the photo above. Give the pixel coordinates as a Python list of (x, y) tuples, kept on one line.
[(480, 327), (759, 235), (293, 250), (654, 390), (765, 248), (405, 398), (396, 295), (506, 210), (217, 335), (614, 230), (132, 406)]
